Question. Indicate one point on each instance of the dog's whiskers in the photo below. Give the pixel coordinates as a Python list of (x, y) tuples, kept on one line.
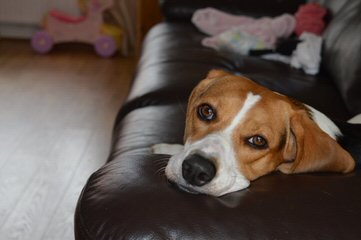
[(161, 164), (160, 171), (161, 161)]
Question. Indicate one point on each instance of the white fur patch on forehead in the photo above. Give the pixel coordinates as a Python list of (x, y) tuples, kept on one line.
[(251, 100)]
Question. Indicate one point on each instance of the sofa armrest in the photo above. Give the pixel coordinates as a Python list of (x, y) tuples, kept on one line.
[(182, 10)]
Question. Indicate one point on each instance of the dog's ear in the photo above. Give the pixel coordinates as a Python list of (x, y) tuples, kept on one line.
[(205, 83), (309, 149), (217, 73)]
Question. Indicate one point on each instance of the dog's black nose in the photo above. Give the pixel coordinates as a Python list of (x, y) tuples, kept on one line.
[(197, 170)]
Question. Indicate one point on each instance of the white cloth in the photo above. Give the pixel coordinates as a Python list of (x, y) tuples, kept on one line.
[(307, 54), (234, 41), (356, 119)]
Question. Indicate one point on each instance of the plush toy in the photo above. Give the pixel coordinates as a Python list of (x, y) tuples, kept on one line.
[(90, 28)]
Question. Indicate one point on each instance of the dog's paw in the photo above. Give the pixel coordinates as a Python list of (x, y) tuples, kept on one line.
[(164, 148)]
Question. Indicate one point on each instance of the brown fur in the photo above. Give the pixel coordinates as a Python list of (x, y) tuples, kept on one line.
[(296, 143)]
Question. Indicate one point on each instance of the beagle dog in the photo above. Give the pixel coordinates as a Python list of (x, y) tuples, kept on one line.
[(237, 131)]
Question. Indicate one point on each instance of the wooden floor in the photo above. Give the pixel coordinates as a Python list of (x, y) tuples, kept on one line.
[(56, 117)]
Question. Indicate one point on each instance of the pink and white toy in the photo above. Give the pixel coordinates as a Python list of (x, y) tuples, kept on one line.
[(61, 27)]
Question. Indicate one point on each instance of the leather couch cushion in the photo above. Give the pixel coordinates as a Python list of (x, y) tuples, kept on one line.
[(144, 127), (129, 197)]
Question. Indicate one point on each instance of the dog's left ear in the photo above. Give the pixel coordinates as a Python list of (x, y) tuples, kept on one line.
[(310, 149)]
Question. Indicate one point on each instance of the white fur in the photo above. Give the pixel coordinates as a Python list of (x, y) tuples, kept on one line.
[(248, 104), (325, 123), (356, 119), (218, 147)]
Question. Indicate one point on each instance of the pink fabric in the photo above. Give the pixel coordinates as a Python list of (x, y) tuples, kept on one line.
[(310, 18), (213, 22), (64, 17)]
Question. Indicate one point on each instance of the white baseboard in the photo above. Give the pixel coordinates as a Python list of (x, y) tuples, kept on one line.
[(23, 31)]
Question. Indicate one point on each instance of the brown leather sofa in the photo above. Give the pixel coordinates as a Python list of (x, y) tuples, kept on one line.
[(129, 197)]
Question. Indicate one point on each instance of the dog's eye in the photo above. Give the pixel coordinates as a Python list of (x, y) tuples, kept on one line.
[(258, 142), (206, 112)]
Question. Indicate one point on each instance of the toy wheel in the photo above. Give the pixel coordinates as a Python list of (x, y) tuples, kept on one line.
[(105, 46), (42, 42)]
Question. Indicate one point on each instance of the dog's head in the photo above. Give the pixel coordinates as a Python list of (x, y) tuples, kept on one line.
[(237, 131)]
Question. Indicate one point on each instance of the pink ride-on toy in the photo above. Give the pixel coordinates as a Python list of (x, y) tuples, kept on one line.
[(60, 27)]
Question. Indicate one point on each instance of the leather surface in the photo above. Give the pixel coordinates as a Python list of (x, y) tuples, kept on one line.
[(129, 197), (342, 53)]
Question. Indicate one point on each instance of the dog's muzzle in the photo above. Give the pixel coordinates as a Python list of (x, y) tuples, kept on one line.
[(207, 166)]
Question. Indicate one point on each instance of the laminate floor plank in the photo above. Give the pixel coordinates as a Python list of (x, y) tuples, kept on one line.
[(56, 117), (20, 169), (29, 217), (60, 226)]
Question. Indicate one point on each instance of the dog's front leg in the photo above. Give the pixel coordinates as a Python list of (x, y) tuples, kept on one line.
[(165, 148)]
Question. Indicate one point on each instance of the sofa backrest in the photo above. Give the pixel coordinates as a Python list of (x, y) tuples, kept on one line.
[(341, 55)]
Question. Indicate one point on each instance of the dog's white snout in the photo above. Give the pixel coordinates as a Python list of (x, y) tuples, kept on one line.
[(213, 147), (216, 148)]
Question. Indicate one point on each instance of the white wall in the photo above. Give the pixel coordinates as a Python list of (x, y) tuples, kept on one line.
[(20, 18)]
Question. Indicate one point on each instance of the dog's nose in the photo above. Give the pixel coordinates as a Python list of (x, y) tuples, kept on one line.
[(197, 170)]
